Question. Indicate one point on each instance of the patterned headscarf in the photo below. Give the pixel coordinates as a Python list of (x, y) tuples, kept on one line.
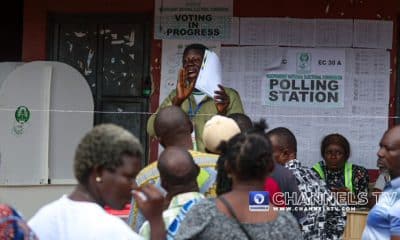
[(12, 226)]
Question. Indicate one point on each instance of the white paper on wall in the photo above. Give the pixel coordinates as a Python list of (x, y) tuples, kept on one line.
[(373, 34), (316, 32), (362, 120), (277, 31), (334, 32)]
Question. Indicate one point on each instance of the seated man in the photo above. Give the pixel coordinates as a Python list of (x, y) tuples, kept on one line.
[(327, 219), (178, 173), (173, 128)]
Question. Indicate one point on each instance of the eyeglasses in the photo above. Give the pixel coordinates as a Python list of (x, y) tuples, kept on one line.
[(334, 153)]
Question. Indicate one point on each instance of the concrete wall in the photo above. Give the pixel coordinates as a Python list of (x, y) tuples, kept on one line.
[(28, 199)]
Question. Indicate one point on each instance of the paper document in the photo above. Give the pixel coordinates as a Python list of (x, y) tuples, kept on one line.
[(210, 74), (364, 91), (373, 34)]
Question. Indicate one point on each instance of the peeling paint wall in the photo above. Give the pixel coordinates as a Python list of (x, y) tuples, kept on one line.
[(36, 13), (79, 45)]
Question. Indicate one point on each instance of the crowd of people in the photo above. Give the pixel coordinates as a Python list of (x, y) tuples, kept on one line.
[(213, 157)]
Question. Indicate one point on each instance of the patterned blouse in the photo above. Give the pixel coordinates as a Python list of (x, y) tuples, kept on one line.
[(335, 179), (321, 221), (12, 226), (205, 221)]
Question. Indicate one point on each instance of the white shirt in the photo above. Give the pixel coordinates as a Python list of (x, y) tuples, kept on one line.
[(65, 219), (199, 96)]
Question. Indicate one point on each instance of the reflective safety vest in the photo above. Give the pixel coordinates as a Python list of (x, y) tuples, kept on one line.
[(348, 174)]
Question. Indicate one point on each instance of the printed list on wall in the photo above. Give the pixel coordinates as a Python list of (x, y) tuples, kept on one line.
[(338, 83), (315, 92)]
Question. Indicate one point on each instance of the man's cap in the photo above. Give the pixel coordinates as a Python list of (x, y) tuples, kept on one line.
[(218, 129)]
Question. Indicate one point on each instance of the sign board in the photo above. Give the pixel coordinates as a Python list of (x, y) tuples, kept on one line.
[(193, 19)]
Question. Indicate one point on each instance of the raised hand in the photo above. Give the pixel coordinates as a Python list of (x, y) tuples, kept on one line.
[(221, 100), (183, 88), (150, 201)]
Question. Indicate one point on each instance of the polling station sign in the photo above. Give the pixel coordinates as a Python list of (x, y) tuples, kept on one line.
[(193, 19), (307, 78)]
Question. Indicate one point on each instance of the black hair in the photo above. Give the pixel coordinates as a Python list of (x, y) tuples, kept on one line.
[(224, 183), (285, 138), (338, 139), (242, 120), (248, 155), (195, 46)]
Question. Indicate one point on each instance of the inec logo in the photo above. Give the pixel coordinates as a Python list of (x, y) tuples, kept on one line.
[(303, 63), (22, 114), (258, 201)]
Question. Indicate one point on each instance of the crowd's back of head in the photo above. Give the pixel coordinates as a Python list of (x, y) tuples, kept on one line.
[(177, 168), (285, 138), (243, 121), (172, 124), (248, 156)]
